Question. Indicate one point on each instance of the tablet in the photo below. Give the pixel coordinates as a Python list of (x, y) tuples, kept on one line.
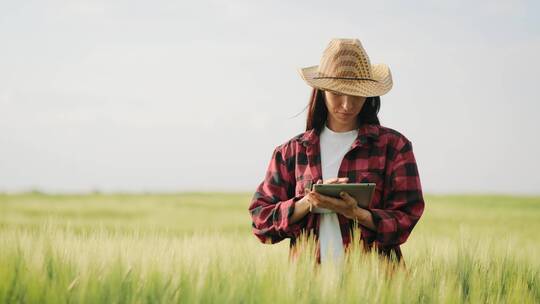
[(362, 192)]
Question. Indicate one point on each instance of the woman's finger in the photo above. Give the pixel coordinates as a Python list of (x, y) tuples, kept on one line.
[(343, 180), (331, 181), (330, 201), (322, 203), (348, 198), (336, 180)]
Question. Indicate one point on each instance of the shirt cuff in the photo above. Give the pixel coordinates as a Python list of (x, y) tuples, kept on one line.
[(386, 226), (286, 210)]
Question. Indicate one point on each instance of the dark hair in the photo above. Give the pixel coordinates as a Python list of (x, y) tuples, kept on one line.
[(317, 111)]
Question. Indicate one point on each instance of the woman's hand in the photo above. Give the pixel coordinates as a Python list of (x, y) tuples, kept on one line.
[(335, 180), (346, 205), (306, 204)]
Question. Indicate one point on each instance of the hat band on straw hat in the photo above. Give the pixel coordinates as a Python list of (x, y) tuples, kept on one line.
[(349, 78)]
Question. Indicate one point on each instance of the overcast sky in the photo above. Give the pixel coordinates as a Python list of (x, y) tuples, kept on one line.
[(194, 95)]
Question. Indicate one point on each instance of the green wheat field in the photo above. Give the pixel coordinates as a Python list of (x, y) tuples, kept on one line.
[(198, 247)]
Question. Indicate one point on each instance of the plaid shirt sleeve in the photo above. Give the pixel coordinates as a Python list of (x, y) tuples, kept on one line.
[(273, 202), (403, 203)]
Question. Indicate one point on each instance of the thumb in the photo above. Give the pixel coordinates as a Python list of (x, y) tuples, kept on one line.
[(348, 198)]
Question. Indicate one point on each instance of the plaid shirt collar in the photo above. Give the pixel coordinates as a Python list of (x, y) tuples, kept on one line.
[(365, 132)]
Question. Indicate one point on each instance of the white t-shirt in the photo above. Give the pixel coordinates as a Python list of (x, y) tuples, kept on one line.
[(334, 146)]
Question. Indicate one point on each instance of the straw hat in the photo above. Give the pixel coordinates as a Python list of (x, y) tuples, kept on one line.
[(345, 68)]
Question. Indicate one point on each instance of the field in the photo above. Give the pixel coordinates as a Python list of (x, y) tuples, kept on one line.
[(198, 247)]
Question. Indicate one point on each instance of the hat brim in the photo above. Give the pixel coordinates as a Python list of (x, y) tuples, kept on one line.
[(367, 88)]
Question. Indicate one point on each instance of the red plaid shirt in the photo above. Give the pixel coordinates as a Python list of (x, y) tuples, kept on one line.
[(379, 155)]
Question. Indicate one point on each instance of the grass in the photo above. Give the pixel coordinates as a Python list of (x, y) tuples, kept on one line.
[(198, 247)]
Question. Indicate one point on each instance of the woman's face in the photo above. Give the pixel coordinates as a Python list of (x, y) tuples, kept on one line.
[(343, 108)]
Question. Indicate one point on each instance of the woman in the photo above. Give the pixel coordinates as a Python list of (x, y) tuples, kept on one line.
[(343, 143)]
